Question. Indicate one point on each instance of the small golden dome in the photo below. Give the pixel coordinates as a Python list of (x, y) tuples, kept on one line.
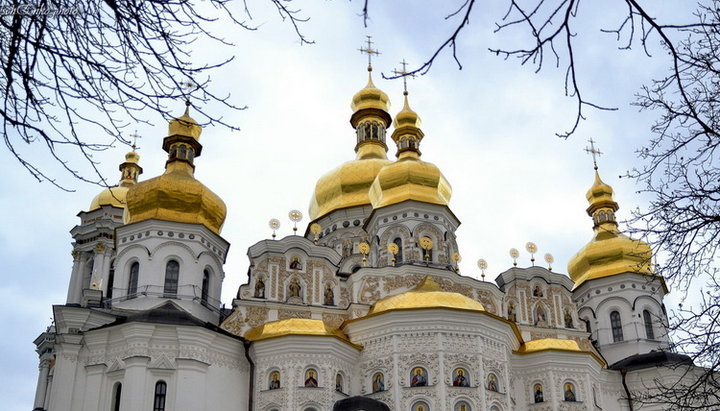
[(297, 327), (112, 196), (610, 252), (427, 294), (409, 178), (116, 195), (370, 97), (407, 117), (185, 125)]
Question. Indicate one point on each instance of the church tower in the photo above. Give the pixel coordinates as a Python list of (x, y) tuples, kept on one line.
[(93, 249), (170, 247), (140, 327), (620, 298), (340, 203), (411, 221)]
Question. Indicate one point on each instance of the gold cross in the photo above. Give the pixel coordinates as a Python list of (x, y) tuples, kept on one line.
[(404, 74), (135, 136), (594, 152), (369, 50)]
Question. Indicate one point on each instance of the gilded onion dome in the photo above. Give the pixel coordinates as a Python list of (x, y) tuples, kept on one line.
[(427, 294), (409, 178), (176, 195), (116, 195), (348, 185), (610, 252), (296, 327)]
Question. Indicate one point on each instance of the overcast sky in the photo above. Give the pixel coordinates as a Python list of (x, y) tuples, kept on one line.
[(490, 127)]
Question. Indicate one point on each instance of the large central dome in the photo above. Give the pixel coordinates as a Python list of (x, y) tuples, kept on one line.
[(348, 185)]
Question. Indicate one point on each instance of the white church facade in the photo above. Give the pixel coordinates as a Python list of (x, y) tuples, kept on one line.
[(365, 311)]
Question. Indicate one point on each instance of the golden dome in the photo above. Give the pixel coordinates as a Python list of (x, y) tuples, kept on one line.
[(112, 196), (176, 195), (185, 125), (407, 117), (116, 195), (409, 178), (348, 185), (610, 252), (370, 97), (427, 294), (298, 327)]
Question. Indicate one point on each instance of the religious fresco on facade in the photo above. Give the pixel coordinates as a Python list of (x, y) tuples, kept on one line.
[(460, 378), (569, 392), (260, 287), (462, 406), (538, 395), (378, 382), (311, 378), (418, 377), (274, 380), (492, 382)]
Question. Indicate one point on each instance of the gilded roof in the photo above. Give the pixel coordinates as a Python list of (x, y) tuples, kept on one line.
[(112, 196), (296, 327), (176, 196), (610, 252), (545, 344), (410, 178), (345, 186), (427, 294)]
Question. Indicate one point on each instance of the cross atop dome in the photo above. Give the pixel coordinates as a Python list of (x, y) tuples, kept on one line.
[(369, 51), (595, 152), (134, 136), (404, 74)]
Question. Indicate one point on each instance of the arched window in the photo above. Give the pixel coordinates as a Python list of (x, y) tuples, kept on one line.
[(111, 281), (399, 255), (205, 287), (160, 395), (587, 325), (172, 272), (616, 325), (117, 393), (133, 280), (647, 319)]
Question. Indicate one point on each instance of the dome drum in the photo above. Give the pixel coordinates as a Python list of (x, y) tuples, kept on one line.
[(365, 113), (186, 142)]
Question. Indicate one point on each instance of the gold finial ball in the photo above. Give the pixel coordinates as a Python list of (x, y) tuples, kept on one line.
[(364, 248), (426, 243), (482, 264), (393, 248), (295, 215), (531, 247), (456, 257), (549, 258), (274, 223), (315, 228), (514, 253)]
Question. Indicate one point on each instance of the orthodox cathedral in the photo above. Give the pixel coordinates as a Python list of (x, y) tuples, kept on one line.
[(365, 311)]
